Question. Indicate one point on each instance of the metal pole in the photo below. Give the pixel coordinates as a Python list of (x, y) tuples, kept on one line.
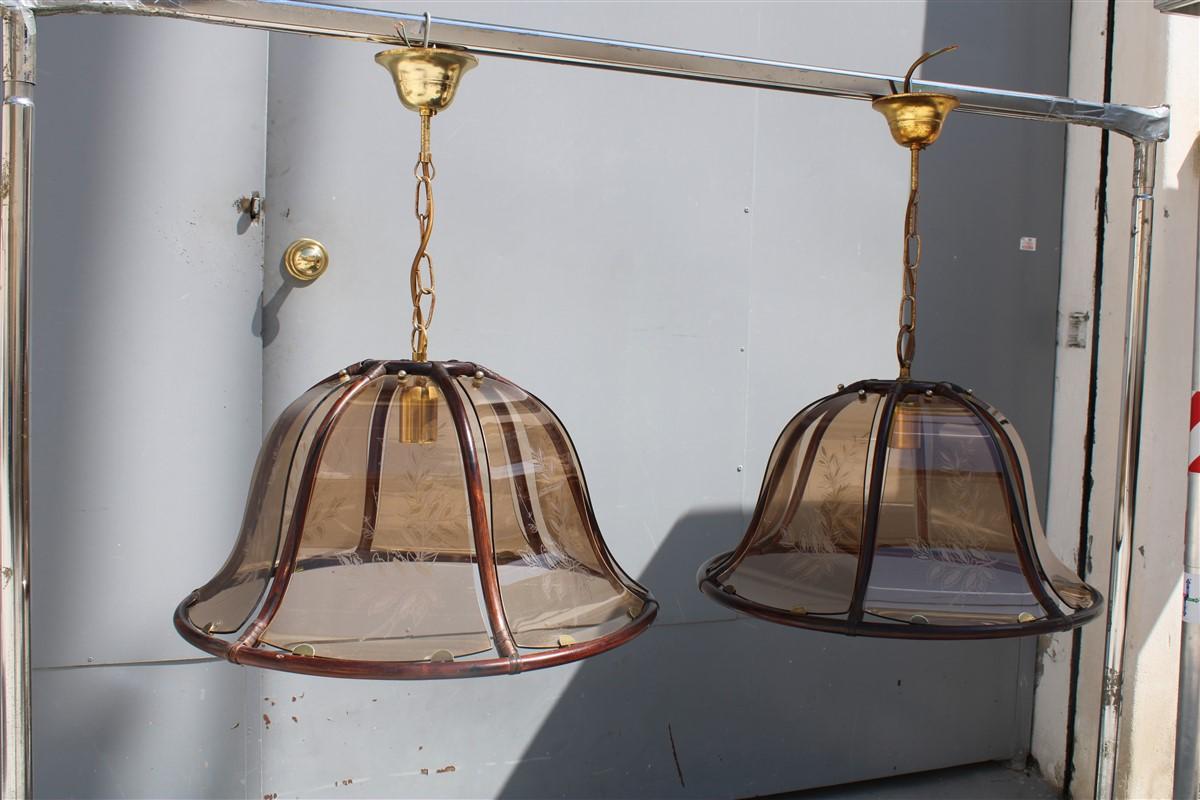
[(1187, 719), (382, 25), (1130, 429), (16, 140)]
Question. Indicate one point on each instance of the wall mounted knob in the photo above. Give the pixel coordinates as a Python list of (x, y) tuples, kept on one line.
[(306, 259)]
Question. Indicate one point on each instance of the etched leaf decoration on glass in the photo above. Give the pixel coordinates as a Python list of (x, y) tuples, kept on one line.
[(958, 554), (829, 527)]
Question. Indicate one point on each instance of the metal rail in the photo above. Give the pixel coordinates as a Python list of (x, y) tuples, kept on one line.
[(1144, 125), (378, 25)]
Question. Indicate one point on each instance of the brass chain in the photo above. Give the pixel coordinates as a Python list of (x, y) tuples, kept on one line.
[(906, 339), (421, 277)]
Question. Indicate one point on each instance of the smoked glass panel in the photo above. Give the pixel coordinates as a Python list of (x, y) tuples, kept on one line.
[(804, 553), (557, 583), (946, 549), (1073, 592), (227, 600), (386, 568)]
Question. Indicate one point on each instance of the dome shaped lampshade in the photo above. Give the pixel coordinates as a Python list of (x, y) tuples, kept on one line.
[(416, 520), (900, 509)]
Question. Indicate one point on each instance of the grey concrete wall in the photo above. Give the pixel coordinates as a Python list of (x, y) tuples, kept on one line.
[(676, 268)]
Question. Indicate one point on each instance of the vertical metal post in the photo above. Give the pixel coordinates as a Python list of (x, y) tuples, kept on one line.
[(16, 140), (1144, 154), (1187, 718)]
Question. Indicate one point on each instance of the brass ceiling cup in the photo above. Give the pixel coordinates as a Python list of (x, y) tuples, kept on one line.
[(416, 518), (426, 78), (915, 118), (901, 508)]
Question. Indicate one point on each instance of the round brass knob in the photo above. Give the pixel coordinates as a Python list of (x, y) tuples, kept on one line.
[(306, 259)]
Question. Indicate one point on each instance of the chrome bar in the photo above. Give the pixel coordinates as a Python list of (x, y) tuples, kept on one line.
[(379, 25), (1187, 717), (16, 142), (1128, 446)]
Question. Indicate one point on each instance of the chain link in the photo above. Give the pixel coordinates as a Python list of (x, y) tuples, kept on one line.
[(422, 283), (906, 339)]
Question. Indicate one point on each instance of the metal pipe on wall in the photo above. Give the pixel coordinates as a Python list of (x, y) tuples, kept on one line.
[(1128, 451), (16, 141)]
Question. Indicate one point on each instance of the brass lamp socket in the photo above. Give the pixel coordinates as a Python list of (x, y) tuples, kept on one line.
[(419, 412), (426, 77), (915, 118), (906, 428)]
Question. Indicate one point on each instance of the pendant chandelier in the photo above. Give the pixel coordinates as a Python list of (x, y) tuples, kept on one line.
[(901, 508), (416, 518)]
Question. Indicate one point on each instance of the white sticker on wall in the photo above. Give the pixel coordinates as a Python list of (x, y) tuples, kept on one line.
[(1029, 243), (1191, 597)]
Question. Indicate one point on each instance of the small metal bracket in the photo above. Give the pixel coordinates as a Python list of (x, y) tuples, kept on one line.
[(1111, 690), (251, 206), (1077, 328)]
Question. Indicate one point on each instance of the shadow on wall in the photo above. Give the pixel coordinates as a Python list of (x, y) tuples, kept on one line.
[(713, 706)]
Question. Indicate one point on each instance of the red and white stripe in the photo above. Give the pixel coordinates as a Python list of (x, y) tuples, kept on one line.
[(1194, 438)]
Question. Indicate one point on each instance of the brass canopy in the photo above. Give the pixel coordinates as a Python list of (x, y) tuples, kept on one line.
[(915, 118), (426, 77)]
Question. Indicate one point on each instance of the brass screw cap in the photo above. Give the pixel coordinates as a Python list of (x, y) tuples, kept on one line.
[(426, 77), (306, 259)]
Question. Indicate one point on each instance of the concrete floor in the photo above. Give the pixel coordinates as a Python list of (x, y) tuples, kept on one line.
[(989, 781)]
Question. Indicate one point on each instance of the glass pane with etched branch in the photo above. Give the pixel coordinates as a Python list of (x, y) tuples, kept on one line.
[(386, 567), (558, 582), (804, 554), (225, 602), (946, 552), (1072, 593)]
